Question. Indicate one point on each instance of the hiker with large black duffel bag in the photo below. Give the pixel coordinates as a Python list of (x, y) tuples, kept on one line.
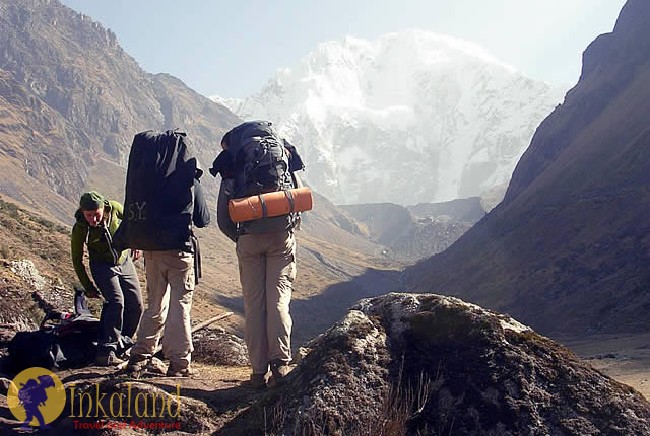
[(114, 275), (257, 167), (163, 201)]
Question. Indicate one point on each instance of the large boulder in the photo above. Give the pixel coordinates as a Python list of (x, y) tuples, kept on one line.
[(428, 364)]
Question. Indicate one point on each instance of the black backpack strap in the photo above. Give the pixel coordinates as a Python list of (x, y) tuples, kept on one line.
[(198, 272), (49, 317)]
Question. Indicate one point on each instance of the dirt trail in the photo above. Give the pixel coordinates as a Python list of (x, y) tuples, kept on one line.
[(222, 388)]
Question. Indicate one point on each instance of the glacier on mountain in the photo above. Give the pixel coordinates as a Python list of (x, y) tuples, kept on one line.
[(411, 117)]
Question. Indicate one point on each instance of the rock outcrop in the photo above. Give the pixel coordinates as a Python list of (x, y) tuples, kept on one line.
[(428, 364), (216, 347)]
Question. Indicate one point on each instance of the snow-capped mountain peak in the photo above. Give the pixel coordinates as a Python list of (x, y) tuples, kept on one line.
[(411, 117)]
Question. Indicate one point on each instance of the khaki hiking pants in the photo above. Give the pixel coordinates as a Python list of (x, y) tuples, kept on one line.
[(170, 284), (267, 269)]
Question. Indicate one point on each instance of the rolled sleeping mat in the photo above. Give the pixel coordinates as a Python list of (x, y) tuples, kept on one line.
[(270, 204)]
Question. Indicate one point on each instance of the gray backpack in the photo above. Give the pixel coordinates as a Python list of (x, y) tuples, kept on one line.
[(261, 161)]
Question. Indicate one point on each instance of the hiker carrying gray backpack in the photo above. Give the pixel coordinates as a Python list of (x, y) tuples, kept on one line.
[(254, 160)]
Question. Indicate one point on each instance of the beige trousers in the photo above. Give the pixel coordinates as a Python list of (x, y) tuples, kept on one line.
[(267, 269), (170, 284)]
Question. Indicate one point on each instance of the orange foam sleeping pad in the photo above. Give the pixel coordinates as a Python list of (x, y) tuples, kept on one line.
[(270, 204)]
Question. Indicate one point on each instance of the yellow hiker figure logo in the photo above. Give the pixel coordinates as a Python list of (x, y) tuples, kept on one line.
[(36, 397)]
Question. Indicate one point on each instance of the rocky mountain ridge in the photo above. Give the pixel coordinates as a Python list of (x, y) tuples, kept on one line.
[(71, 98), (567, 250)]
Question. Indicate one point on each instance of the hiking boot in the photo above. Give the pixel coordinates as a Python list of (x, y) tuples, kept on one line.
[(257, 381), (185, 372), (279, 370), (137, 363), (108, 358)]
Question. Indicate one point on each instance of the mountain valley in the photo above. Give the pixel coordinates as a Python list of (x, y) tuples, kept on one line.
[(562, 246)]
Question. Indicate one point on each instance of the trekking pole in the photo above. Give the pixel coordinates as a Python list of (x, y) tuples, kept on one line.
[(207, 322)]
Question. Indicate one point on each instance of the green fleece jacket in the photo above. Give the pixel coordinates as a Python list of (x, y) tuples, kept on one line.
[(97, 240)]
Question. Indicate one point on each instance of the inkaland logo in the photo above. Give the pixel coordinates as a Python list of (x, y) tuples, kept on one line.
[(36, 397)]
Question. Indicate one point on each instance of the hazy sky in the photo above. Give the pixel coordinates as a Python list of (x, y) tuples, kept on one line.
[(231, 48)]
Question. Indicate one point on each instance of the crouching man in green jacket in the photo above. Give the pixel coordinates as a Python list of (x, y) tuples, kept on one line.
[(113, 272)]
